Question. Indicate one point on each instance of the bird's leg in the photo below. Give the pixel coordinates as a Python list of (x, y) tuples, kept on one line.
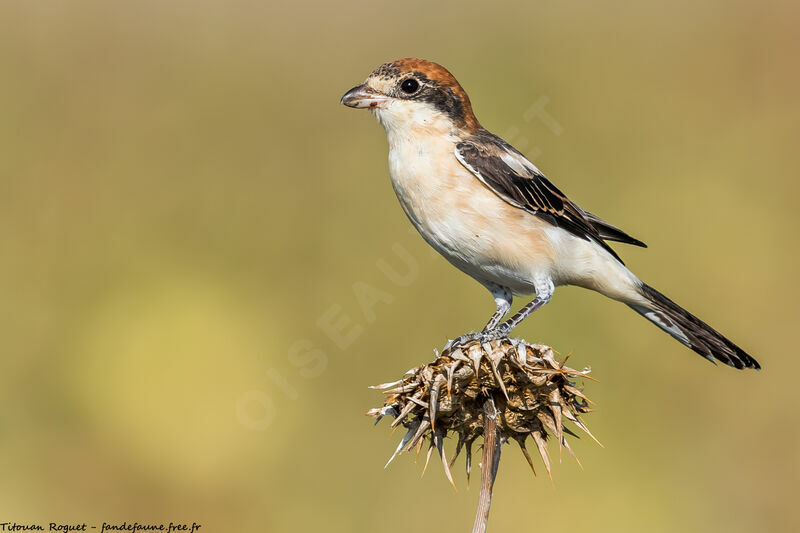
[(502, 299), (544, 291)]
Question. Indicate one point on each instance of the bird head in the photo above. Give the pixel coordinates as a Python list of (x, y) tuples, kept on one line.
[(414, 93)]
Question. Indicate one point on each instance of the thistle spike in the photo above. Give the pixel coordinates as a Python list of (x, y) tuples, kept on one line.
[(547, 421), (468, 460), (428, 458), (418, 436), (440, 447), (419, 402), (387, 385), (547, 355), (458, 355), (476, 354), (407, 409), (537, 396), (459, 445), (521, 442), (434, 398), (542, 445), (451, 372), (572, 417), (403, 388), (498, 378), (522, 353), (400, 446), (577, 392), (572, 453), (555, 406)]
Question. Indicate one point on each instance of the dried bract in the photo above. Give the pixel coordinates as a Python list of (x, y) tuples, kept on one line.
[(534, 396)]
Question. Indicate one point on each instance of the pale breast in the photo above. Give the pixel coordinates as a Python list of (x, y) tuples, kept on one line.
[(463, 220)]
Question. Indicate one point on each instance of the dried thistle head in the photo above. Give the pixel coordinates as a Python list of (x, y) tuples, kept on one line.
[(534, 395)]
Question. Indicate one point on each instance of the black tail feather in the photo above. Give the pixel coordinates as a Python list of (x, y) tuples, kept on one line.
[(691, 331)]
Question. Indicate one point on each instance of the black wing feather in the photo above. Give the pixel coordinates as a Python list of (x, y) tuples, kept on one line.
[(611, 233)]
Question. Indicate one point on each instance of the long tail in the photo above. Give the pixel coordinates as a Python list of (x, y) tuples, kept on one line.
[(691, 331)]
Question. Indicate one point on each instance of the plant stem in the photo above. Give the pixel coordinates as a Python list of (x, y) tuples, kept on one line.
[(490, 460)]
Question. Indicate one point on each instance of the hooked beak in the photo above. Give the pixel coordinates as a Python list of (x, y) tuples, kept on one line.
[(361, 97)]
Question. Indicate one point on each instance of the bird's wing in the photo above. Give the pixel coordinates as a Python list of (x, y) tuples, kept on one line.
[(517, 181)]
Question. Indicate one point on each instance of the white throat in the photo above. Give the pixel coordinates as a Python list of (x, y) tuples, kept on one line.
[(406, 121)]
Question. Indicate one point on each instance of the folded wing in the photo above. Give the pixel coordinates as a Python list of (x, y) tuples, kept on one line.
[(517, 181)]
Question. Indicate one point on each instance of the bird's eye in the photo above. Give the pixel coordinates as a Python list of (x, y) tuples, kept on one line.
[(409, 86)]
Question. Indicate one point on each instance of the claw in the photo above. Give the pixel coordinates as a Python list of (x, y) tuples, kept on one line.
[(462, 341)]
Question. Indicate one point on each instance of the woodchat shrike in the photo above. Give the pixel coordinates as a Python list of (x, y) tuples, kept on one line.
[(491, 213)]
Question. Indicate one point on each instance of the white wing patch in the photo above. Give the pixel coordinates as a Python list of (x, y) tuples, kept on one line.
[(478, 175), (521, 166)]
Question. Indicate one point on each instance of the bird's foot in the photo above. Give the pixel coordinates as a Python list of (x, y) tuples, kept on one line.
[(478, 337), (463, 341)]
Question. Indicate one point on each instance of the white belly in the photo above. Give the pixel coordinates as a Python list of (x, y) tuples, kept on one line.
[(464, 221), (488, 238)]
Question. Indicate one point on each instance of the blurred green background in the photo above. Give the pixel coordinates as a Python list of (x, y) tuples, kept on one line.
[(186, 213)]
